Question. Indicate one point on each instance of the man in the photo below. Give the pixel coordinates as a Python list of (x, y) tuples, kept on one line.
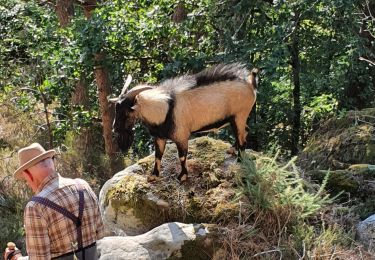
[(62, 220)]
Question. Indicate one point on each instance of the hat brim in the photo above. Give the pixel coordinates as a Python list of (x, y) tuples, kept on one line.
[(32, 162)]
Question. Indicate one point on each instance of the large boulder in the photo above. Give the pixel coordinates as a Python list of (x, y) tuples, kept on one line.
[(341, 142), (344, 148), (168, 241), (132, 206)]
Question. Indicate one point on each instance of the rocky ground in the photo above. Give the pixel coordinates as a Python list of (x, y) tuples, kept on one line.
[(147, 218)]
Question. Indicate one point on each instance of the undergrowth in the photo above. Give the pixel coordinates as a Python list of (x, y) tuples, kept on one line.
[(283, 217)]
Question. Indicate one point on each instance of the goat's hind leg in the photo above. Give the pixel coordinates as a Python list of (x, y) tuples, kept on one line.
[(239, 128), (159, 151), (182, 148)]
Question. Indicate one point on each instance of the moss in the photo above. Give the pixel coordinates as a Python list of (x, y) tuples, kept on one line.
[(130, 194), (147, 163), (370, 153), (339, 180), (351, 145), (208, 151), (363, 169), (194, 209), (203, 247), (210, 169)]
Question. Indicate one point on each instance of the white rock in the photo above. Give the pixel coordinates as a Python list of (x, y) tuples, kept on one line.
[(366, 232), (159, 243)]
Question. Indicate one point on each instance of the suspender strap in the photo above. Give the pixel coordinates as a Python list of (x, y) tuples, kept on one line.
[(11, 254), (76, 220)]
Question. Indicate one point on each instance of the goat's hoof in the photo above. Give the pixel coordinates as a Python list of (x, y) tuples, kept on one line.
[(152, 178), (231, 151), (183, 178)]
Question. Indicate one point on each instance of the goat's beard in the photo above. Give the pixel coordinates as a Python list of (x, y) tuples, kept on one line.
[(125, 139)]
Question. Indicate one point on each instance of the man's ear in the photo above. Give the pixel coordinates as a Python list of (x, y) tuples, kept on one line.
[(27, 175)]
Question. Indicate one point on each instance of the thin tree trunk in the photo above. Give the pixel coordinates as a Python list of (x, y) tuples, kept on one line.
[(106, 109), (65, 10), (296, 67), (107, 112), (46, 113)]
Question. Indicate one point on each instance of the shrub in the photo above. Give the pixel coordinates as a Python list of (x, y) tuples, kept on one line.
[(283, 216)]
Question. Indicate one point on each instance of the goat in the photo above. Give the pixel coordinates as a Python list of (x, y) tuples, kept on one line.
[(176, 108)]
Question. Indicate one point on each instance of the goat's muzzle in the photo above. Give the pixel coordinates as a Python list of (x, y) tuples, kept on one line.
[(124, 139)]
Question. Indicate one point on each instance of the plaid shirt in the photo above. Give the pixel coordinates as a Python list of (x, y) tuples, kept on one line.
[(50, 234)]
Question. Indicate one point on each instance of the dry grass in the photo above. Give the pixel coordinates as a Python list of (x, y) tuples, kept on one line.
[(271, 227)]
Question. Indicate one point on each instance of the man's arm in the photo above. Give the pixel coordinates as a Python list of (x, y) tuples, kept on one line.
[(97, 214), (37, 239), (99, 225)]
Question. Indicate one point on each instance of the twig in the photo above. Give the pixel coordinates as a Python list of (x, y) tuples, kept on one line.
[(372, 63), (369, 10), (269, 251), (304, 251), (7, 157)]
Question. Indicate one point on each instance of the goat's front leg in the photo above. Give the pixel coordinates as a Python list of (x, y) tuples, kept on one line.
[(182, 148), (159, 151)]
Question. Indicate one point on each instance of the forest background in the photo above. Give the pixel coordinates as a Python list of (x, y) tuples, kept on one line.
[(60, 61)]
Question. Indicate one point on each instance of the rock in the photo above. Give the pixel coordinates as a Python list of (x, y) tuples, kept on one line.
[(132, 206), (341, 142), (366, 232), (127, 205), (169, 241), (339, 180), (356, 179)]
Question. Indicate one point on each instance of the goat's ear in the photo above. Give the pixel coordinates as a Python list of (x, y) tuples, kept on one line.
[(135, 107), (253, 78)]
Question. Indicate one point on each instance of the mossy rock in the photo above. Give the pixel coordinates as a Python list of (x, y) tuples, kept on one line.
[(368, 170), (203, 246), (355, 179), (341, 142), (338, 181), (208, 196), (134, 208)]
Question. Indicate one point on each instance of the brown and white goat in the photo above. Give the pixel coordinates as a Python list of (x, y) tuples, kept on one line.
[(180, 106)]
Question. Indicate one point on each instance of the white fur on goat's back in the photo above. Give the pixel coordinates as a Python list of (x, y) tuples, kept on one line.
[(152, 106), (178, 84), (199, 107)]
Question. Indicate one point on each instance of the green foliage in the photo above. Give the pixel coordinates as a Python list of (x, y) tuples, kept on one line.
[(273, 187), (11, 212), (144, 38), (13, 198)]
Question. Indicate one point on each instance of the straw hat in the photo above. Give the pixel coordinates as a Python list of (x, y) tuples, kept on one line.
[(30, 156)]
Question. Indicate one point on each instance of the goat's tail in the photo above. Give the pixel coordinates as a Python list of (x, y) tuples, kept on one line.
[(253, 77)]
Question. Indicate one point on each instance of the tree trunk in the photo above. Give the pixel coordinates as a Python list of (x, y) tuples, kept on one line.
[(296, 67), (65, 10), (106, 109), (107, 112), (83, 141)]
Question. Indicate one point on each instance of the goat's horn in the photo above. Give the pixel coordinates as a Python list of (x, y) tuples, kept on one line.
[(126, 85), (136, 90), (113, 100)]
